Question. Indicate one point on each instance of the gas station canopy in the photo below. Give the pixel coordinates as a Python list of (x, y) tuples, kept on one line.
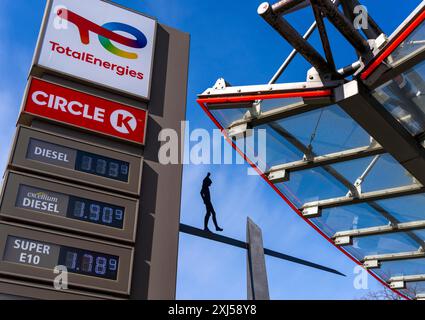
[(346, 148)]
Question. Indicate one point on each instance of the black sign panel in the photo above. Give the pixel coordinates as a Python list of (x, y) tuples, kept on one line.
[(49, 202), (35, 253), (47, 153), (47, 255), (72, 159)]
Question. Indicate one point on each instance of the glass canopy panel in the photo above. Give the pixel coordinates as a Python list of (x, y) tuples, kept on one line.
[(382, 244), (405, 209), (333, 181), (328, 130), (278, 149), (227, 116), (415, 42), (228, 112), (350, 217), (385, 173), (311, 185), (402, 267), (404, 98), (271, 104), (415, 288), (420, 234)]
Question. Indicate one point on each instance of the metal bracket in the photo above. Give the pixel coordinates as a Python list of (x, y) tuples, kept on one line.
[(314, 76), (325, 80), (343, 241), (256, 109), (359, 181), (399, 285), (237, 130), (312, 212), (221, 84), (373, 143), (279, 176), (379, 43), (371, 264), (308, 156)]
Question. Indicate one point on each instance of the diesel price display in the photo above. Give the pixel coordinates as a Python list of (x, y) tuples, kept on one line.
[(78, 160), (40, 151), (46, 201), (50, 202)]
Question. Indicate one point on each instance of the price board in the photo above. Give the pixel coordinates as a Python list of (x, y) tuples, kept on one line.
[(43, 152), (48, 202), (35, 253)]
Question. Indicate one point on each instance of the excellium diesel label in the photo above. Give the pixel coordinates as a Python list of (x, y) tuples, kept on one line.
[(44, 201)]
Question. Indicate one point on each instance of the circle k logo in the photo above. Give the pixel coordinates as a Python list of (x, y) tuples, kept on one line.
[(106, 34), (123, 121)]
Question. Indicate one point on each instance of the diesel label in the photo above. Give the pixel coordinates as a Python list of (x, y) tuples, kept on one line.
[(51, 153)]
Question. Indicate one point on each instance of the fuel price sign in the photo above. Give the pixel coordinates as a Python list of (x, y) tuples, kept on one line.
[(46, 153), (34, 253), (49, 202)]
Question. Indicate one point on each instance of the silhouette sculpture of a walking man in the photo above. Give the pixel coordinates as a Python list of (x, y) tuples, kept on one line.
[(205, 194)]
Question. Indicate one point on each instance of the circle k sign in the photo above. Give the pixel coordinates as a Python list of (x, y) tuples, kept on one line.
[(78, 109), (123, 121)]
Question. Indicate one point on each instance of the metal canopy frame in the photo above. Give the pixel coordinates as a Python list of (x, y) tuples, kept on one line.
[(342, 21), (366, 197), (400, 282), (375, 73), (374, 261), (332, 158), (354, 97), (322, 161), (314, 161), (345, 237), (310, 210)]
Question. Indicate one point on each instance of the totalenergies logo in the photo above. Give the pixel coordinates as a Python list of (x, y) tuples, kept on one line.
[(106, 33)]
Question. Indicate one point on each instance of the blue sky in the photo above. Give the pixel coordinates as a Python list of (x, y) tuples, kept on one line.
[(228, 39)]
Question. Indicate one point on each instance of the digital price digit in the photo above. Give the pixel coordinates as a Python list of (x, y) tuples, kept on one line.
[(96, 212), (102, 166), (89, 263)]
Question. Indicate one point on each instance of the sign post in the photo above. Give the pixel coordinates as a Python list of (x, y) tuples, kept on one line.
[(84, 188)]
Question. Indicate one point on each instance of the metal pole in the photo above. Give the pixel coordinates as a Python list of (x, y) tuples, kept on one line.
[(292, 55), (323, 34), (344, 26), (287, 6), (295, 39), (257, 284)]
